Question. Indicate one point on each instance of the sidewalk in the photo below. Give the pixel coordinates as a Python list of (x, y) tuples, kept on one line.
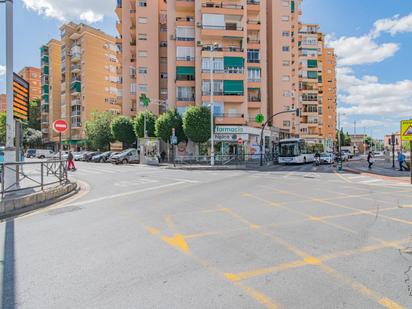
[(380, 167)]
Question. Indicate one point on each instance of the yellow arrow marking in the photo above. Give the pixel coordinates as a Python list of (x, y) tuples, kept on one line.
[(177, 241)]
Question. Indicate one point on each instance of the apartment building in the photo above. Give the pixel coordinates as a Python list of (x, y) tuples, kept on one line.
[(3, 102), (50, 55), (89, 80), (32, 76), (328, 108)]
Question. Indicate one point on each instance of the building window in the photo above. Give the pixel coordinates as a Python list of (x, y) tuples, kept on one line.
[(163, 75), (286, 123), (142, 3), (217, 87), (163, 91), (163, 44), (185, 93), (185, 53), (285, 48), (143, 87), (285, 63), (185, 33), (142, 36), (285, 78), (142, 70), (285, 33), (285, 18), (142, 53), (218, 64), (287, 93), (253, 74), (133, 88), (142, 20), (253, 56)]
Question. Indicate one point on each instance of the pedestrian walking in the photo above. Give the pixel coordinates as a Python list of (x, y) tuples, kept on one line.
[(401, 160), (70, 162), (370, 159)]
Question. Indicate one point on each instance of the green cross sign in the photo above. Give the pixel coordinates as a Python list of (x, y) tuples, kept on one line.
[(144, 100), (259, 118)]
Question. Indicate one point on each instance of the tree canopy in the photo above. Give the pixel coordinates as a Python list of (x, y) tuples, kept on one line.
[(34, 114), (196, 124), (98, 130), (3, 127), (166, 122), (138, 124), (122, 130)]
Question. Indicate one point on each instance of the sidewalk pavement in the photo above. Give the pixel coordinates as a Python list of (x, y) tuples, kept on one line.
[(380, 167)]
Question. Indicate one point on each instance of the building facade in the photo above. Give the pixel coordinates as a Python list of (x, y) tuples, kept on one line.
[(50, 104), (3, 102), (255, 55), (32, 76)]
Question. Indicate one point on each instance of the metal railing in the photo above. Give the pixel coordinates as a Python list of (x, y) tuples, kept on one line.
[(225, 160), (32, 175)]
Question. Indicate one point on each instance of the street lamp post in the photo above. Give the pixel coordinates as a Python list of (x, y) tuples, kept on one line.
[(212, 138), (9, 153)]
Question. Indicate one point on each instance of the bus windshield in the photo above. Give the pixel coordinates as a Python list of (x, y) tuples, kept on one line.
[(289, 149)]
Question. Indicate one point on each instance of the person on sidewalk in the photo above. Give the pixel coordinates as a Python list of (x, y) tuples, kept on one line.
[(70, 162), (401, 160), (370, 159)]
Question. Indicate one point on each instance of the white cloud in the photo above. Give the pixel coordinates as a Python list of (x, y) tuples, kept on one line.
[(393, 25), (361, 50), (367, 96), (89, 11), (2, 70)]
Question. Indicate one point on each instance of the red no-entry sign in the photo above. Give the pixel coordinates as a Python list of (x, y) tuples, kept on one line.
[(60, 125)]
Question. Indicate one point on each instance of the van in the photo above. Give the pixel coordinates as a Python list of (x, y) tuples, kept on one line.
[(44, 153), (128, 156)]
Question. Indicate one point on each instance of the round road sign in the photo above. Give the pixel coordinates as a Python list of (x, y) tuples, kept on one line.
[(60, 125), (240, 141)]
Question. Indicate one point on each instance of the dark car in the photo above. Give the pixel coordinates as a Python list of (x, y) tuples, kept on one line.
[(31, 153), (87, 157), (102, 157)]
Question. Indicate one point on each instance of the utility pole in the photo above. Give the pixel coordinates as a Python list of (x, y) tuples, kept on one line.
[(10, 152), (212, 133)]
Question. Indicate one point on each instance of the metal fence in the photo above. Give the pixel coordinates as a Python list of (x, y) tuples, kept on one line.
[(33, 175), (235, 159)]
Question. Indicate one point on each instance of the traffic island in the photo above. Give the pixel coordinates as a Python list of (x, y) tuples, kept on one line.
[(15, 204)]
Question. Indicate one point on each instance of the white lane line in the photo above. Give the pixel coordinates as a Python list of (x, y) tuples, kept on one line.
[(186, 180), (371, 181), (113, 196), (356, 177)]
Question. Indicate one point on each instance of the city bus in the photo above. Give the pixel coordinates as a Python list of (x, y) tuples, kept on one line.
[(295, 150)]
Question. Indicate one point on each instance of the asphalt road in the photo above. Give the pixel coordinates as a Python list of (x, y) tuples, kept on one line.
[(148, 237)]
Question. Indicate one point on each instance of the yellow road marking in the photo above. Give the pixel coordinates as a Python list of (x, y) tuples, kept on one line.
[(258, 296), (342, 177), (389, 303), (177, 241), (152, 230)]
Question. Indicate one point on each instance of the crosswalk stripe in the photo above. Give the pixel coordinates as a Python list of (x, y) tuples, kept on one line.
[(371, 180)]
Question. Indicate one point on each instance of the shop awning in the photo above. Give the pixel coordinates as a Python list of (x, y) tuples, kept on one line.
[(233, 62), (233, 87), (185, 70)]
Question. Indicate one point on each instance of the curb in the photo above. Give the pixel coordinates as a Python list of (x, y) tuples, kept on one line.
[(19, 205), (360, 172)]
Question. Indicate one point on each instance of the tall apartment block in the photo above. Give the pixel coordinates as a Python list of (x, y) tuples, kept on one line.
[(32, 76), (169, 49), (89, 78), (2, 102), (50, 55)]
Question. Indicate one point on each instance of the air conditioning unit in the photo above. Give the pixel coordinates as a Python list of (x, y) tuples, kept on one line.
[(199, 43), (199, 24), (173, 37)]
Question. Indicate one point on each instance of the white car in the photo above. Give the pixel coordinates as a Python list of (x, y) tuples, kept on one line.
[(78, 156), (44, 153), (327, 158), (65, 154)]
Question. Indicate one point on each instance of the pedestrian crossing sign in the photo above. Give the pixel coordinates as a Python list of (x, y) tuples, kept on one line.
[(406, 130)]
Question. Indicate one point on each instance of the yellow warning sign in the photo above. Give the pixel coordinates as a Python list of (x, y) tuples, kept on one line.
[(406, 130)]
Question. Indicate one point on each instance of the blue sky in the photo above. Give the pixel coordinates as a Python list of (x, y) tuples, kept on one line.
[(373, 40)]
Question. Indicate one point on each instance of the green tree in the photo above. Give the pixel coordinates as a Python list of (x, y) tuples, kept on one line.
[(196, 124), (34, 114), (166, 122), (122, 130), (3, 127), (32, 138), (345, 139), (98, 130), (138, 124)]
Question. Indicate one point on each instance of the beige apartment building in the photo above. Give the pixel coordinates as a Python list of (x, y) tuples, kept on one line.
[(50, 55), (32, 76), (249, 49), (83, 77), (3, 102)]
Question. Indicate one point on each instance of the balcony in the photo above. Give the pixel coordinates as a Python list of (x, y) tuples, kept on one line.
[(229, 30), (230, 118), (45, 89), (185, 5), (76, 102), (75, 68), (253, 5), (75, 53), (222, 8), (75, 87), (253, 24), (45, 69)]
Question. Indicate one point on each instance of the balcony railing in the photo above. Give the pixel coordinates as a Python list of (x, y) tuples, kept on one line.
[(253, 41), (185, 77), (186, 99), (253, 1), (222, 49), (222, 5), (215, 93), (185, 58), (179, 38), (254, 99), (229, 115), (226, 27), (187, 18)]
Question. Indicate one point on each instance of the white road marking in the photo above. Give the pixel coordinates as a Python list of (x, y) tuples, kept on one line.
[(371, 180), (356, 177), (113, 196)]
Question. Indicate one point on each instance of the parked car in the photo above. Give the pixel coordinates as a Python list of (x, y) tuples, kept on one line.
[(127, 156), (44, 153), (327, 158), (77, 156), (30, 153), (87, 156), (102, 157), (348, 154), (65, 154), (344, 155)]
